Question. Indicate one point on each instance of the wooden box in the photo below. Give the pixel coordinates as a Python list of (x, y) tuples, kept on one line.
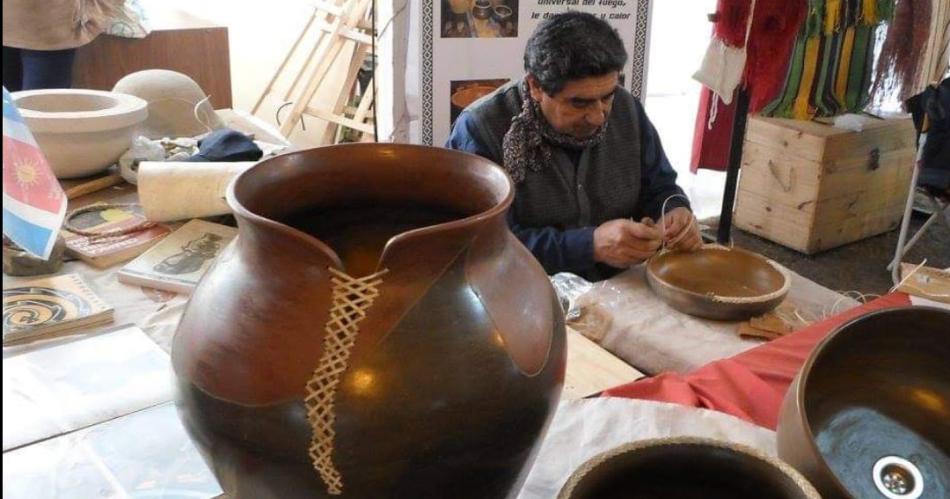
[(811, 187)]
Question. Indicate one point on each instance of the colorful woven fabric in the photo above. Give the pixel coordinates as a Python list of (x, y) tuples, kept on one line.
[(830, 69)]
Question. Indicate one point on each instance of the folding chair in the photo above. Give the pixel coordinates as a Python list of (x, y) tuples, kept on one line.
[(940, 205)]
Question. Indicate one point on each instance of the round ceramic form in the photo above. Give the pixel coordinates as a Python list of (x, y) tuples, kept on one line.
[(868, 416), (686, 468), (464, 97), (81, 132), (376, 330), (717, 282)]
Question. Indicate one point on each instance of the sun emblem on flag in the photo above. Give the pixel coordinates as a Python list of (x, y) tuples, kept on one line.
[(27, 173)]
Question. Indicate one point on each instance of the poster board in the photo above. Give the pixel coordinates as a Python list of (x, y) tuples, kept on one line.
[(462, 49)]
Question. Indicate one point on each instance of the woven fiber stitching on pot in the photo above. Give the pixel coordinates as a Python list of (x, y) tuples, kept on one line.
[(352, 297)]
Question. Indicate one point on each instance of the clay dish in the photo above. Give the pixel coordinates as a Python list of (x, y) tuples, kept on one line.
[(686, 468), (718, 283), (869, 413), (81, 132)]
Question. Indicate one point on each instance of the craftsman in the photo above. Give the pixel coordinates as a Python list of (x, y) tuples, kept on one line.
[(591, 176)]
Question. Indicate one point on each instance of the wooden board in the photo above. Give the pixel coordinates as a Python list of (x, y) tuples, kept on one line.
[(591, 369), (180, 43), (824, 143)]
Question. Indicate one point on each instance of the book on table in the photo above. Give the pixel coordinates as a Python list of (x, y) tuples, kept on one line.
[(50, 305), (105, 251), (179, 261)]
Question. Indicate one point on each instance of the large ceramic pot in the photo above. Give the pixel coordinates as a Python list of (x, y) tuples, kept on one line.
[(868, 416), (375, 330)]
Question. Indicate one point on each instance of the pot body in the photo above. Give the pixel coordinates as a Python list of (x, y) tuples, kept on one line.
[(434, 373)]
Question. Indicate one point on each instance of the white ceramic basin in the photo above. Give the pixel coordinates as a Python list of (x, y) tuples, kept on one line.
[(81, 131)]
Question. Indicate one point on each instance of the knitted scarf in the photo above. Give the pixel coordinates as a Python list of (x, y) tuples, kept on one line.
[(527, 144)]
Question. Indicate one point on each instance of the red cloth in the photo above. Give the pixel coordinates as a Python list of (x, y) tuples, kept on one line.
[(750, 385), (711, 146)]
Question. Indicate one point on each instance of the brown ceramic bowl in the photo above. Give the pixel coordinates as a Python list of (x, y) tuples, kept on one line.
[(501, 14), (686, 468), (717, 282), (465, 96), (869, 413)]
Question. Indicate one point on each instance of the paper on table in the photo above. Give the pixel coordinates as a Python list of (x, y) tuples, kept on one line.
[(145, 454), (582, 429), (56, 389)]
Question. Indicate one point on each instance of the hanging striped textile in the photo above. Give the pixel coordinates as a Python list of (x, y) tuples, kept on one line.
[(830, 68)]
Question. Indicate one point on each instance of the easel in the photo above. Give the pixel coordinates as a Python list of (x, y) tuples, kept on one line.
[(338, 25)]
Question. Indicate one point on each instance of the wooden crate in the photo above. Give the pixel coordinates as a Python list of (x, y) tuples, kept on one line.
[(811, 187)]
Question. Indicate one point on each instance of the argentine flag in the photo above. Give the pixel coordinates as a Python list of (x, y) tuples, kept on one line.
[(33, 201)]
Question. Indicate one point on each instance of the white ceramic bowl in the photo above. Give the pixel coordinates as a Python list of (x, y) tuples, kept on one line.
[(81, 132)]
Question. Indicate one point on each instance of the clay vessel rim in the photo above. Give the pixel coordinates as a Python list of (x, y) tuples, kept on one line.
[(743, 450), (498, 209), (778, 293), (126, 110), (463, 92), (804, 378)]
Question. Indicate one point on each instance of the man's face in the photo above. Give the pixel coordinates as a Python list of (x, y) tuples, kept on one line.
[(581, 107)]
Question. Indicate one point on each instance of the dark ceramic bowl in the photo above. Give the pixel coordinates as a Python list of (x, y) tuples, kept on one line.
[(717, 282), (482, 9), (686, 468), (869, 413)]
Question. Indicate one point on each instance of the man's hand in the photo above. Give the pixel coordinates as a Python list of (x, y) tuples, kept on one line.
[(621, 243), (682, 230)]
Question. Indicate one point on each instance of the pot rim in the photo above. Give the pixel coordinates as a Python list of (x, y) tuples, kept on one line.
[(575, 478), (804, 378), (496, 210), (737, 300), (123, 111)]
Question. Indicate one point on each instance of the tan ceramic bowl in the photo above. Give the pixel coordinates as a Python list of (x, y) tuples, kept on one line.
[(81, 132), (686, 468), (869, 413), (718, 283)]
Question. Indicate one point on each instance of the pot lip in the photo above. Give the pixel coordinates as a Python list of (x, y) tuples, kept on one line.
[(774, 295), (472, 220), (786, 469), (806, 370), (125, 111)]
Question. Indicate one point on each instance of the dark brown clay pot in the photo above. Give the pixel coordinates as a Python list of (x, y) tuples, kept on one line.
[(869, 413), (686, 468), (375, 329), (717, 282)]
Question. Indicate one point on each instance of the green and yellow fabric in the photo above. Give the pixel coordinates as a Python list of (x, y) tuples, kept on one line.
[(830, 69)]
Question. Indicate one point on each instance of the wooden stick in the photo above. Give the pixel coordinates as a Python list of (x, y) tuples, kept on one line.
[(283, 64), (93, 186)]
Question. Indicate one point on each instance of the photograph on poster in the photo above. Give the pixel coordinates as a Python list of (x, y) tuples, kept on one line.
[(479, 18), (465, 92)]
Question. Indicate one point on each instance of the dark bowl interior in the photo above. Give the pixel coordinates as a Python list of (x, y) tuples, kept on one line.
[(683, 471), (879, 388)]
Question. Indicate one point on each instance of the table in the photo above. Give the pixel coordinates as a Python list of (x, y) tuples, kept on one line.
[(623, 315)]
